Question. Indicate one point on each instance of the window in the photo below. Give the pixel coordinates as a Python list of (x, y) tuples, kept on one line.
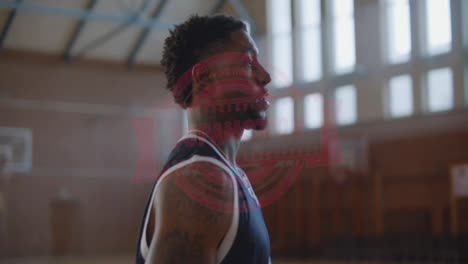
[(345, 105), (247, 135), (400, 96), (313, 105), (281, 33), (284, 116), (309, 17), (439, 90), (398, 30), (344, 46), (438, 26)]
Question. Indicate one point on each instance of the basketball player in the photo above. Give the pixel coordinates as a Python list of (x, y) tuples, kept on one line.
[(202, 208)]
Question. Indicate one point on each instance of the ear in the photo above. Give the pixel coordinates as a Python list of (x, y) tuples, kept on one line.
[(201, 77)]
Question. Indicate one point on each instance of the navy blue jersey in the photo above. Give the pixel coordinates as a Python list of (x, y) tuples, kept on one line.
[(247, 240)]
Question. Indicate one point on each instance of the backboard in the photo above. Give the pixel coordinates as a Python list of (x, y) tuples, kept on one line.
[(15, 150)]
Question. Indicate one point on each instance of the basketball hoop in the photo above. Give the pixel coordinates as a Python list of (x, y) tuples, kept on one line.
[(15, 150)]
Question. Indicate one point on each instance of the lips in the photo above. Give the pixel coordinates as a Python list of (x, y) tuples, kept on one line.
[(242, 101), (262, 103)]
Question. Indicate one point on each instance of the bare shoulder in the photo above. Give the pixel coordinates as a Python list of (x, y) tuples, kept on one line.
[(193, 213), (202, 191)]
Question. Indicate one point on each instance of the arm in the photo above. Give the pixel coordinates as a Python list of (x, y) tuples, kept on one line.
[(187, 231)]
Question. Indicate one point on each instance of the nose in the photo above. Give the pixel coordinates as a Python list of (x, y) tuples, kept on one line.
[(262, 77)]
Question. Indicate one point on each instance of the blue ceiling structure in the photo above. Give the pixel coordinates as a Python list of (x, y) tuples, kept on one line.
[(89, 13)]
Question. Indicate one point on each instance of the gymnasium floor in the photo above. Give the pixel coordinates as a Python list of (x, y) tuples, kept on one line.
[(130, 260)]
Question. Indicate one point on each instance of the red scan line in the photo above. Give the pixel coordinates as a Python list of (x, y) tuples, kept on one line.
[(259, 174), (282, 189)]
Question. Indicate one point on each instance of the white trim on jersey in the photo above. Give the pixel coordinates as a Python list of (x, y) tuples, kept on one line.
[(245, 181), (228, 240), (211, 145)]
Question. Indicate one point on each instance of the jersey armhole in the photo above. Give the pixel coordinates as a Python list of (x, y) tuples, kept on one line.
[(228, 239)]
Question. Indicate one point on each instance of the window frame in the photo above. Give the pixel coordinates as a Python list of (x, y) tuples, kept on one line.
[(322, 102), (274, 130), (387, 98), (380, 71), (425, 92), (330, 21), (335, 106), (385, 36), (271, 36), (423, 30)]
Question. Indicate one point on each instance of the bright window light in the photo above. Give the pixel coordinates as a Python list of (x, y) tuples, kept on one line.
[(313, 105), (398, 30), (439, 90), (345, 105), (438, 26), (343, 36), (310, 40), (281, 42), (311, 59), (282, 71), (247, 135), (343, 8), (400, 96), (280, 16), (284, 116), (309, 12)]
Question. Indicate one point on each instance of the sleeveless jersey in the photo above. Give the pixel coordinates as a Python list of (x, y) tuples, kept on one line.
[(247, 240)]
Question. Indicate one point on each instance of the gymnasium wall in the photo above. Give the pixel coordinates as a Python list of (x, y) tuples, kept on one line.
[(85, 152), (80, 197), (406, 192)]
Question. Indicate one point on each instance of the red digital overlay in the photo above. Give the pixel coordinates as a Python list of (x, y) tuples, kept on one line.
[(273, 173)]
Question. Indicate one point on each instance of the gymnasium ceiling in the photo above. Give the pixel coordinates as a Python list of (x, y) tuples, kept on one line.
[(130, 31)]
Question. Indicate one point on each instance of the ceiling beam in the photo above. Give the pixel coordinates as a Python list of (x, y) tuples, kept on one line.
[(109, 35), (78, 13), (9, 22), (243, 14), (218, 7), (79, 28), (100, 40), (145, 34)]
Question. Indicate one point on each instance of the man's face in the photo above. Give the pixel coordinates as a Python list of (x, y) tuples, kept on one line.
[(235, 82)]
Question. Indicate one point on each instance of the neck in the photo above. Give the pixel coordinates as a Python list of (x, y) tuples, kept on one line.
[(228, 141)]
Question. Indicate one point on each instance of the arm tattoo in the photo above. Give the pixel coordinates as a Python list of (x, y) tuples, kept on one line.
[(197, 183), (178, 247), (197, 212), (190, 231)]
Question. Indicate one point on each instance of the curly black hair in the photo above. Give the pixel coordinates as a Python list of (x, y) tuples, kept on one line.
[(188, 43)]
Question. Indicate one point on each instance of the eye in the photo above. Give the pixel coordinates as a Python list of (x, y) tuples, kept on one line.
[(251, 62)]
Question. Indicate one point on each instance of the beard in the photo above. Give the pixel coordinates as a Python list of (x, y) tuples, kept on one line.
[(258, 118), (237, 107)]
